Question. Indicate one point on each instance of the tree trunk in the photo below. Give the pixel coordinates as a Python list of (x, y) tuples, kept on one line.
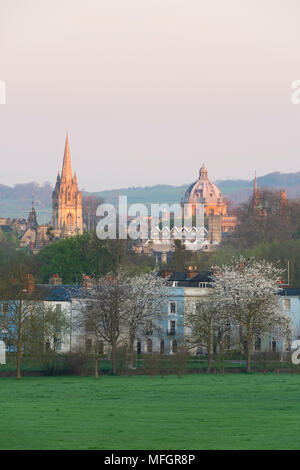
[(96, 369), (113, 358), (249, 342), (131, 350), (19, 376), (208, 360), (209, 349), (19, 346)]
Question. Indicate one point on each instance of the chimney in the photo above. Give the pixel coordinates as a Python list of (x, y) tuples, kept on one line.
[(29, 283), (87, 282), (191, 271), (55, 280), (165, 273)]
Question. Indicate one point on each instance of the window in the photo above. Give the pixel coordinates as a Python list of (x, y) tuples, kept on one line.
[(172, 308), (138, 347), (287, 304), (257, 345), (203, 285), (149, 345), (5, 307), (174, 346), (273, 345), (162, 346), (172, 327), (70, 222)]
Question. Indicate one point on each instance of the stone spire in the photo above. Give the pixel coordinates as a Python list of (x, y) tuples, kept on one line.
[(66, 174), (255, 193), (32, 219)]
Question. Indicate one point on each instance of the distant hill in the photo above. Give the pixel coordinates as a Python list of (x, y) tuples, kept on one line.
[(237, 190), (16, 201)]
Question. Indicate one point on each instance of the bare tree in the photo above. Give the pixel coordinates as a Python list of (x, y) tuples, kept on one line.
[(18, 307), (89, 208), (206, 322), (147, 296), (104, 314)]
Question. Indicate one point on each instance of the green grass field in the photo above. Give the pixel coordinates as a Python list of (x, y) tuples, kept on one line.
[(237, 411)]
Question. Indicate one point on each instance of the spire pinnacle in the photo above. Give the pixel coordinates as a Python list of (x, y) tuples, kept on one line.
[(256, 194), (66, 173), (203, 174)]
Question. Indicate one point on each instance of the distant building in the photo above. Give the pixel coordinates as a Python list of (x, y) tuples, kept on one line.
[(32, 235), (203, 191), (66, 201), (260, 205)]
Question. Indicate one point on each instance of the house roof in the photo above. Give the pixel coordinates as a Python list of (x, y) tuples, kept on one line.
[(51, 293), (184, 280), (5, 228), (58, 293), (290, 291)]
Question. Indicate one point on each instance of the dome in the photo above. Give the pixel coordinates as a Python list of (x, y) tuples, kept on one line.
[(203, 190)]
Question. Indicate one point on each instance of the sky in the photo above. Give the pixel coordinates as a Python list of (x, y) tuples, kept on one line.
[(148, 90)]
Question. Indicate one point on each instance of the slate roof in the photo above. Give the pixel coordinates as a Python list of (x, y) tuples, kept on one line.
[(5, 228), (184, 281), (58, 293), (290, 291), (52, 293)]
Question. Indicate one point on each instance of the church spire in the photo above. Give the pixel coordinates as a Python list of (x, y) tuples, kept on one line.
[(255, 184), (66, 174), (67, 200), (255, 193)]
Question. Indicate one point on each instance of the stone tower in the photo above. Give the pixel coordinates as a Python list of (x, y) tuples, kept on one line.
[(66, 201), (32, 218)]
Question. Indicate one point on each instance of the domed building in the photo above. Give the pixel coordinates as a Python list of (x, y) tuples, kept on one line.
[(203, 191), (206, 193)]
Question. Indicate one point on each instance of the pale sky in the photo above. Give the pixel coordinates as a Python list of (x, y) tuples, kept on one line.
[(148, 89)]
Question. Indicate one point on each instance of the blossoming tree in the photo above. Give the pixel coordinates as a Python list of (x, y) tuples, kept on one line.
[(247, 292)]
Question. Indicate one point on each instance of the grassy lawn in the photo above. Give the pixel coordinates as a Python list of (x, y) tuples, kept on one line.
[(194, 412)]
